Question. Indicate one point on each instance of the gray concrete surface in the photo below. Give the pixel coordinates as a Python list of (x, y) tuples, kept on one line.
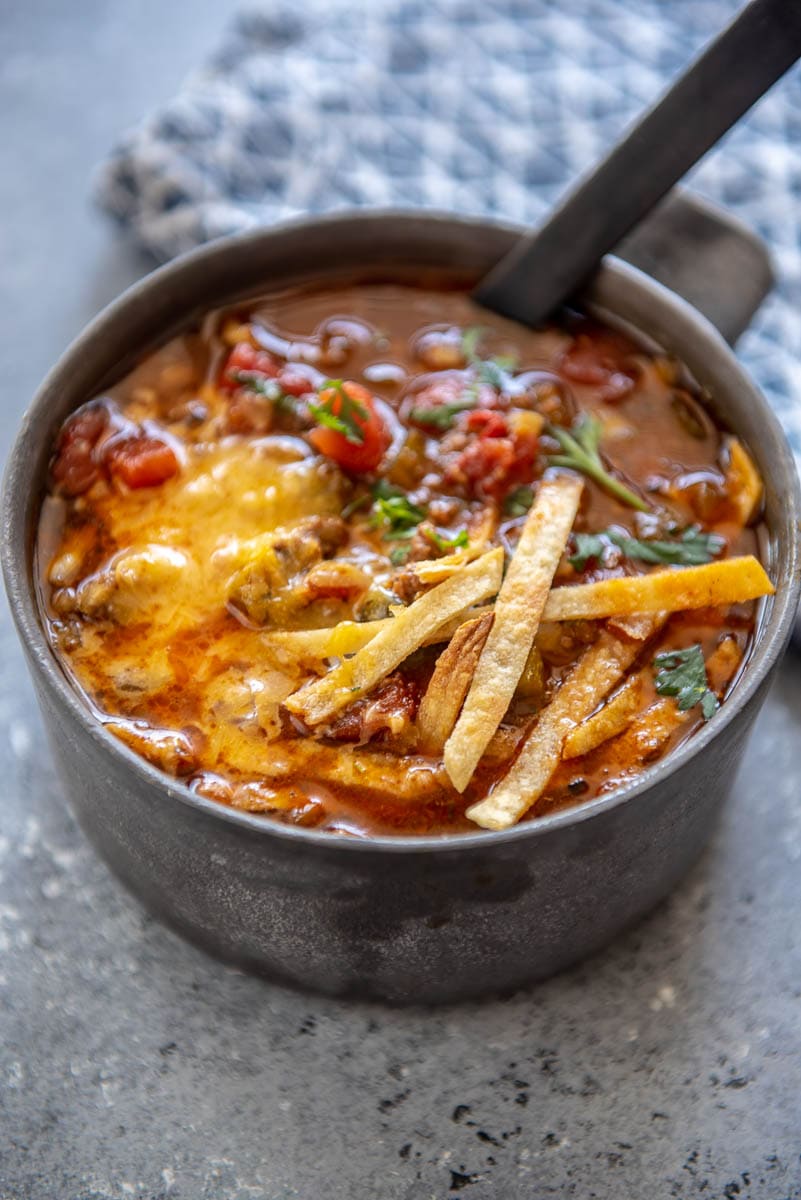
[(132, 1066)]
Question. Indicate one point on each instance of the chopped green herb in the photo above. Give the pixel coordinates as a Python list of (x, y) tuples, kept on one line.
[(691, 550), (470, 339), (399, 535), (348, 415), (682, 673), (581, 452), (492, 372), (396, 516), (442, 416), (445, 544), (399, 554), (518, 502), (588, 545), (382, 490), (396, 513), (354, 506), (262, 386)]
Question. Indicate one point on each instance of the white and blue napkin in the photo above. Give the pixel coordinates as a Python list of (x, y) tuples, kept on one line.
[(476, 105)]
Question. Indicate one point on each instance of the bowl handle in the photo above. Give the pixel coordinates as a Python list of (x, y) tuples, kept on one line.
[(705, 255)]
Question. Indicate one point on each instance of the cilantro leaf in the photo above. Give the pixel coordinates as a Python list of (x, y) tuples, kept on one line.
[(581, 452), (470, 339), (588, 545), (518, 502), (495, 372), (445, 544), (384, 490), (682, 674), (340, 412), (396, 513), (262, 386), (396, 516), (691, 550), (492, 371), (441, 417), (354, 505)]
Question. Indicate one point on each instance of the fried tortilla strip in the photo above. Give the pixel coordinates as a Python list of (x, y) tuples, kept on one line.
[(639, 629), (727, 582), (450, 682), (288, 646), (518, 610), (407, 778), (647, 735), (607, 722), (594, 675), (293, 646), (322, 699), (723, 664), (743, 481)]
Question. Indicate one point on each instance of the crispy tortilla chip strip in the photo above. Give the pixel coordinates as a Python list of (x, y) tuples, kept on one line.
[(743, 481), (407, 777), (594, 675), (450, 683), (518, 609), (647, 732), (723, 664), (311, 646), (322, 699), (647, 735), (607, 722), (727, 582), (293, 646), (639, 629)]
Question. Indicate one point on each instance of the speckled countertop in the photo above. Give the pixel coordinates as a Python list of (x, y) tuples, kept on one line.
[(133, 1066)]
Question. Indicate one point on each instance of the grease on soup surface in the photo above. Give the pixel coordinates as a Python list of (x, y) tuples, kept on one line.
[(233, 532)]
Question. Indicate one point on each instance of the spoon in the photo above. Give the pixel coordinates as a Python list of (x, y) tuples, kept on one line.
[(737, 68)]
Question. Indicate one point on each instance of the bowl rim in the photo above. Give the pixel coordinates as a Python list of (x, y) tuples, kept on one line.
[(25, 611)]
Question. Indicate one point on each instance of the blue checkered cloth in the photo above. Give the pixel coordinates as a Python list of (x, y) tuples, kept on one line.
[(475, 105)]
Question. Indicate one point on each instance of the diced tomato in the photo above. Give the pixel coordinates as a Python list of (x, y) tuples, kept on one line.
[(484, 466), (142, 461), (499, 458), (294, 383), (246, 359), (599, 360), (74, 467), (488, 424), (352, 456)]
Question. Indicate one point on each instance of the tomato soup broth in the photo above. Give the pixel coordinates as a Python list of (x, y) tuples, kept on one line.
[(240, 515)]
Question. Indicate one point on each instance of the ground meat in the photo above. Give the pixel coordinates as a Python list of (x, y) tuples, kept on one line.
[(272, 585), (385, 715)]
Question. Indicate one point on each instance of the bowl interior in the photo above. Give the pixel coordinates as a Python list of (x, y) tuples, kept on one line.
[(397, 246)]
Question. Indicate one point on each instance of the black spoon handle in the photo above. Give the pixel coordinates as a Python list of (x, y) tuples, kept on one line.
[(731, 74)]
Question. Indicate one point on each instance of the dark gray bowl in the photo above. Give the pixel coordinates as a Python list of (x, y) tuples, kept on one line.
[(406, 919)]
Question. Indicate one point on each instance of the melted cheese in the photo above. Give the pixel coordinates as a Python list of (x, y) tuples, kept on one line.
[(178, 552), (184, 542)]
